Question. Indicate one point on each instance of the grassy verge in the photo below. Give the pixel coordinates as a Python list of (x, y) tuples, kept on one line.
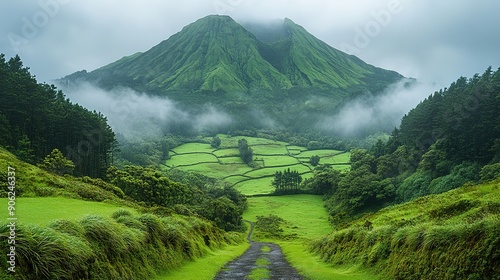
[(454, 235), (314, 268), (206, 267)]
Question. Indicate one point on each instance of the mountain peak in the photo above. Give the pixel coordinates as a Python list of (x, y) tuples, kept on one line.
[(216, 53)]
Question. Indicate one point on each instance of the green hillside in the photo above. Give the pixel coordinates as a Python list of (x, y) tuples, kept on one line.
[(84, 228), (270, 156), (454, 235), (215, 61)]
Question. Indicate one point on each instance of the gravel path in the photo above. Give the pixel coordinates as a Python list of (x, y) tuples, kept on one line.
[(241, 267)]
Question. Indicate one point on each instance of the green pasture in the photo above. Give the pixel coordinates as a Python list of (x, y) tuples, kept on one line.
[(218, 170), (255, 186), (189, 159), (305, 215), (41, 211), (269, 156), (230, 160), (190, 147), (229, 152), (278, 160), (270, 150)]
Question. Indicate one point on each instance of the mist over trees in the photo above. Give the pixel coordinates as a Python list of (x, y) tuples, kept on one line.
[(37, 118), (451, 138)]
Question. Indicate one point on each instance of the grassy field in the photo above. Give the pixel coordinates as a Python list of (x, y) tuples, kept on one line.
[(269, 155), (306, 219), (41, 211)]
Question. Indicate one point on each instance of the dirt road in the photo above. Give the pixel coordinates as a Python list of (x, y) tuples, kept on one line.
[(271, 259)]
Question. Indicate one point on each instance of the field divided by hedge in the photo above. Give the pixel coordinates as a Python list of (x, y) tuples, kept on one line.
[(269, 156)]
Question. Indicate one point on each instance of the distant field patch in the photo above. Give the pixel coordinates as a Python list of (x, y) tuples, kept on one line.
[(270, 150), (256, 186), (295, 150), (193, 147), (188, 159), (278, 160), (271, 171), (320, 153), (233, 141), (342, 167), (217, 170), (269, 156), (229, 160), (227, 152)]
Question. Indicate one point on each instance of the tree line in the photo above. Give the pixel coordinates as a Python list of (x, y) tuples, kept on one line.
[(36, 118), (451, 138), (287, 182)]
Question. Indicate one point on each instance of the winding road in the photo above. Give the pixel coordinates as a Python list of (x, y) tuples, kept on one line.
[(242, 267)]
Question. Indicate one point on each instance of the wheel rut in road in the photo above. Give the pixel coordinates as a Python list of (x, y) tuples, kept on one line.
[(275, 262)]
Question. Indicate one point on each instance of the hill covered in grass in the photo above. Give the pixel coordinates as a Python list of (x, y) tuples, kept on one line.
[(454, 235), (83, 228)]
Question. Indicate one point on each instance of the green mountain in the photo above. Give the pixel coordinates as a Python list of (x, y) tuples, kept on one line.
[(259, 76), (216, 53)]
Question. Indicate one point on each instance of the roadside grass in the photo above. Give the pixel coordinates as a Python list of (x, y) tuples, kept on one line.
[(41, 211), (207, 267), (313, 267), (453, 235)]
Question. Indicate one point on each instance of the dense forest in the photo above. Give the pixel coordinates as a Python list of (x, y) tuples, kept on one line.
[(37, 118), (450, 138)]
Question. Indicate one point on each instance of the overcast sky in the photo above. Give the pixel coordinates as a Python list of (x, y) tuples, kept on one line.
[(431, 40)]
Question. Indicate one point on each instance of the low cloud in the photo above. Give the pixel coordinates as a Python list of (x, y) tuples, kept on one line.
[(138, 115), (370, 114)]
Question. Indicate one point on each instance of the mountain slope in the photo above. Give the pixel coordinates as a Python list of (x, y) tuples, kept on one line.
[(216, 53)]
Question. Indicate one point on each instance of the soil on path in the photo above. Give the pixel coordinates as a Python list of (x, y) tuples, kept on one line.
[(241, 268)]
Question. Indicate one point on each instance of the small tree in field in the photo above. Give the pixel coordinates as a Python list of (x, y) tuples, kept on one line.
[(216, 142), (56, 163), (314, 160)]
